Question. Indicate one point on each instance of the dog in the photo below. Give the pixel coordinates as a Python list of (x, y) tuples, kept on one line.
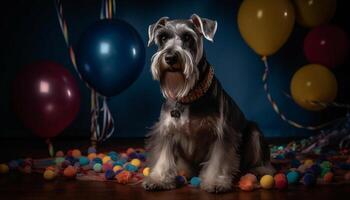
[(201, 131)]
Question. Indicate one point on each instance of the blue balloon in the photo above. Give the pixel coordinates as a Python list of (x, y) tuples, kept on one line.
[(110, 56)]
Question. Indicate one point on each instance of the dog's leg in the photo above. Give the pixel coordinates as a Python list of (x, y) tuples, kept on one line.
[(163, 168), (223, 164), (256, 152)]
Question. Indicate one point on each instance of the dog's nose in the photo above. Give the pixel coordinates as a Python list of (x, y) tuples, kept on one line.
[(171, 58)]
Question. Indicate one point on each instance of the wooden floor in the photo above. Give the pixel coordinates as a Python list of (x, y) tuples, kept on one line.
[(16, 186)]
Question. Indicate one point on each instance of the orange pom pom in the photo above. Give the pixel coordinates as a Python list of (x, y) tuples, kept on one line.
[(123, 177), (70, 172), (328, 177), (130, 150), (76, 153), (91, 156), (248, 182)]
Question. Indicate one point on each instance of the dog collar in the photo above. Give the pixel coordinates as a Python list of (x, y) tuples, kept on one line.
[(200, 89)]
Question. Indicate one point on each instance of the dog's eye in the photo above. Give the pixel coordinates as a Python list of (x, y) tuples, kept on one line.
[(187, 37), (163, 38)]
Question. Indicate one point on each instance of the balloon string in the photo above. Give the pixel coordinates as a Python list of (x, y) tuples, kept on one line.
[(96, 135), (50, 147), (277, 109)]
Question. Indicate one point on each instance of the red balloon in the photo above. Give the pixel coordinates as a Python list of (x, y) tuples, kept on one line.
[(46, 98), (326, 45)]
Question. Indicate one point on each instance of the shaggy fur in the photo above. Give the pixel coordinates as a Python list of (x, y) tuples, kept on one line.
[(212, 138)]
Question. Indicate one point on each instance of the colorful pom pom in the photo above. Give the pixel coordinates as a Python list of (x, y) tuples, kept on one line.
[(109, 174), (248, 182), (4, 168), (180, 180), (76, 153), (59, 154), (117, 168), (328, 177), (136, 162), (195, 181), (107, 166), (308, 163), (49, 175), (267, 182), (146, 171), (92, 156), (280, 181), (97, 167), (123, 177), (309, 179), (70, 172), (293, 177), (83, 161), (131, 168), (106, 159)]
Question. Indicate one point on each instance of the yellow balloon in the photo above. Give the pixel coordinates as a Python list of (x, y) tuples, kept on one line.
[(312, 13), (312, 83), (266, 24)]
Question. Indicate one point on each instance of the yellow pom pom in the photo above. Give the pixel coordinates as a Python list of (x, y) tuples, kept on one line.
[(146, 171), (76, 153), (136, 162), (267, 182), (117, 168), (92, 156), (4, 168), (308, 163), (49, 175), (106, 159)]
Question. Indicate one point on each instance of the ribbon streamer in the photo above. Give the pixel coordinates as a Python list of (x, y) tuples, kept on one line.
[(282, 115), (107, 11)]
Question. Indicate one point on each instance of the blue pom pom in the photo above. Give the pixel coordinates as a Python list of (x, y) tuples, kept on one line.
[(141, 156), (309, 179), (109, 174), (83, 161), (97, 160), (180, 180), (71, 159), (195, 181), (120, 162), (132, 155), (131, 168), (91, 150), (13, 164), (293, 177), (114, 157)]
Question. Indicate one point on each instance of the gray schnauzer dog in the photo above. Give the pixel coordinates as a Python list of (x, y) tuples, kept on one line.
[(201, 131)]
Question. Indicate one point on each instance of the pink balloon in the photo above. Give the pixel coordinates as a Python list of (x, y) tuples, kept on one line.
[(46, 98), (326, 45)]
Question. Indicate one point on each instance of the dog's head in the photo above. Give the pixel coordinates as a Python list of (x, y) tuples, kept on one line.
[(180, 49)]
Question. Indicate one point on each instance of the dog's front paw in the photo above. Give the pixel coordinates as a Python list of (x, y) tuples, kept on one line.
[(217, 186), (152, 184)]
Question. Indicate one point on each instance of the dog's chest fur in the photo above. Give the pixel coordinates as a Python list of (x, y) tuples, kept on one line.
[(194, 131)]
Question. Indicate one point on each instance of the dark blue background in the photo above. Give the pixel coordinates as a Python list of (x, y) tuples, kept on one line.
[(31, 32)]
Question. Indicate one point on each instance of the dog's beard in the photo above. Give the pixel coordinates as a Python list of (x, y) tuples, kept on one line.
[(175, 84)]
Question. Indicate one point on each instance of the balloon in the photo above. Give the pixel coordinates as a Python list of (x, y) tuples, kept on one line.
[(312, 13), (265, 25), (311, 83), (45, 98), (110, 56), (326, 45)]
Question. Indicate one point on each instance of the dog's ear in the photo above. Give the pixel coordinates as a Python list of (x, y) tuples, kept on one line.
[(206, 27), (153, 27)]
